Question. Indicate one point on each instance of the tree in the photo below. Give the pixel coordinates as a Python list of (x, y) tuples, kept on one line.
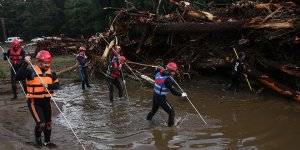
[(82, 17)]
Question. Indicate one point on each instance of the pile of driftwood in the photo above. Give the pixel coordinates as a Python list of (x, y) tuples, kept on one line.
[(201, 39)]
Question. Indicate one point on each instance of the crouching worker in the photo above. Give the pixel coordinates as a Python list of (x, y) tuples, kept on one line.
[(114, 71), (164, 84), (37, 94)]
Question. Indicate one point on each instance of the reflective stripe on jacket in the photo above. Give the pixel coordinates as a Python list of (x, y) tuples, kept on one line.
[(15, 56), (34, 87), (113, 69), (160, 87)]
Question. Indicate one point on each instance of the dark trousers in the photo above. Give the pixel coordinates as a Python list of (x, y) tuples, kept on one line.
[(14, 81), (84, 77), (235, 83), (40, 110), (110, 83), (159, 100)]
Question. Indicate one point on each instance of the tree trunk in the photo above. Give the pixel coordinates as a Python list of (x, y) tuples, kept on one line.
[(187, 27)]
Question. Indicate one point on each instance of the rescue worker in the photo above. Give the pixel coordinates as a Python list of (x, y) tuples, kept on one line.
[(38, 97), (16, 54), (164, 84), (82, 68), (237, 72), (114, 70), (116, 52)]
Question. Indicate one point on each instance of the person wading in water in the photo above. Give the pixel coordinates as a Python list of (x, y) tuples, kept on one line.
[(16, 54), (237, 72), (82, 67), (37, 94), (164, 84)]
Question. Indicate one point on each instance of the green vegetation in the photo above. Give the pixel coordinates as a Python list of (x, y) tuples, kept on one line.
[(58, 63), (4, 69), (73, 18)]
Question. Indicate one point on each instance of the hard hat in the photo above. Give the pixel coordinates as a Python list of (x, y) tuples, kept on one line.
[(15, 42), (122, 59), (82, 48), (172, 66), (44, 56)]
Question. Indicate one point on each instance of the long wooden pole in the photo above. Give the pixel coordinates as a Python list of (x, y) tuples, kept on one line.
[(246, 77)]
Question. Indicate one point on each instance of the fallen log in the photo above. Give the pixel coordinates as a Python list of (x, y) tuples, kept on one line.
[(289, 69), (66, 39), (151, 81), (275, 24), (192, 11), (280, 88), (207, 27), (67, 69), (270, 82), (271, 15), (211, 63), (274, 6), (107, 49)]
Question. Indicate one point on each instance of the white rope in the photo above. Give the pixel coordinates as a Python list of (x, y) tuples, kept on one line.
[(57, 106), (133, 72), (14, 72), (121, 68), (189, 101)]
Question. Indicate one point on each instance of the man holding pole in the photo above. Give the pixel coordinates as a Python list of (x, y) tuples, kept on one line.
[(41, 82), (237, 72), (16, 54), (164, 84), (114, 70)]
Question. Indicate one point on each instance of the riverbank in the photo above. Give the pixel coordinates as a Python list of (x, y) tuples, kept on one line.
[(17, 125), (16, 122)]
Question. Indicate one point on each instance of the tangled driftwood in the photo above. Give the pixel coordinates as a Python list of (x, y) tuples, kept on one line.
[(200, 39)]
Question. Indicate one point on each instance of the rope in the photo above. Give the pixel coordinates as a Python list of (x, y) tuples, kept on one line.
[(15, 73), (58, 107), (189, 101)]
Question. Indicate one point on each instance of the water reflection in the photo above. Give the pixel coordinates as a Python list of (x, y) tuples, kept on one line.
[(235, 121)]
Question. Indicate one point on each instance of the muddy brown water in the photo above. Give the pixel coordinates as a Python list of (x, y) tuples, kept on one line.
[(243, 121), (236, 121)]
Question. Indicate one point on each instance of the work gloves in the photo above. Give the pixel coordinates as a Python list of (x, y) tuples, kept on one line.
[(183, 94)]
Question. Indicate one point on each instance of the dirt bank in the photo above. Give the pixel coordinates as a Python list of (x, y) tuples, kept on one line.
[(16, 124)]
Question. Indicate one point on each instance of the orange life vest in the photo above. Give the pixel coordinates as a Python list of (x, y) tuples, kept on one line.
[(15, 56), (34, 87)]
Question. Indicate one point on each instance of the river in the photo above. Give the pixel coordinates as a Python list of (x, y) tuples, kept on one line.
[(235, 121)]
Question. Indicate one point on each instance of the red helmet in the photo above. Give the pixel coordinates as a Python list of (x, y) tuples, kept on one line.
[(172, 66), (122, 59), (82, 48), (44, 56), (15, 43)]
